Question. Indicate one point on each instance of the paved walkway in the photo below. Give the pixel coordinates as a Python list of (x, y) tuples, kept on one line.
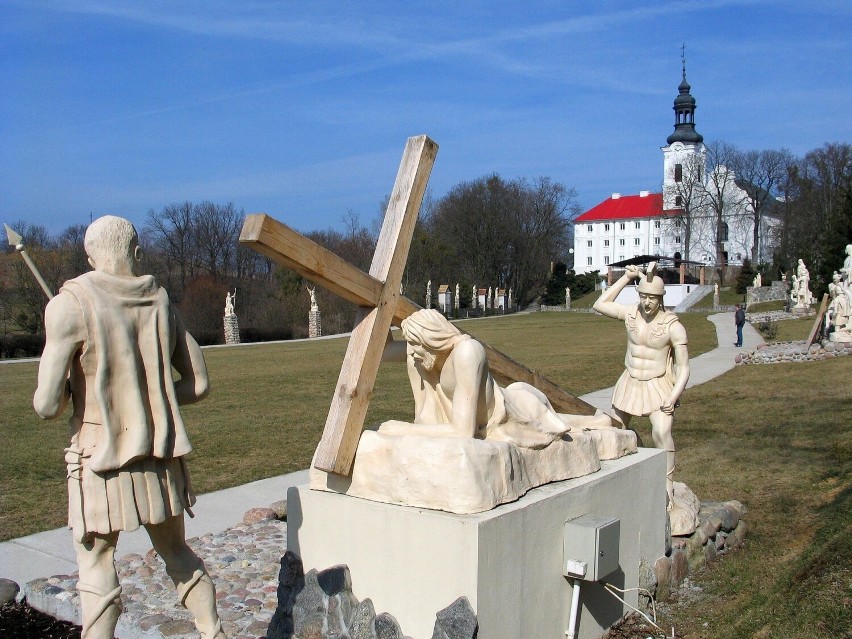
[(51, 552)]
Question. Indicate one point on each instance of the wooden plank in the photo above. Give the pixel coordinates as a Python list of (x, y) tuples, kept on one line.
[(336, 450), (310, 260), (818, 322)]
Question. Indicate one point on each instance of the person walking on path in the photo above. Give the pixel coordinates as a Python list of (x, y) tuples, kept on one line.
[(739, 320)]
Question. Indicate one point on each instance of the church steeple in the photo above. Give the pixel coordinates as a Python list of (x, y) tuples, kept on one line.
[(684, 108)]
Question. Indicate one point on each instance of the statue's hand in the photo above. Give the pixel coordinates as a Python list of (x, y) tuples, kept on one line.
[(668, 407), (632, 272)]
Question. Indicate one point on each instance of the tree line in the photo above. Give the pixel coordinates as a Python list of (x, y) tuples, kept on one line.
[(810, 197), (485, 232)]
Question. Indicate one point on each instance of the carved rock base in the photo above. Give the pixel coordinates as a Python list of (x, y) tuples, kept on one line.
[(683, 517), (465, 475)]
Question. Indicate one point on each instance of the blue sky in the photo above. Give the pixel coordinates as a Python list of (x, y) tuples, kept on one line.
[(301, 109)]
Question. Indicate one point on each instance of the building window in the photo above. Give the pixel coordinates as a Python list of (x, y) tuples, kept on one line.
[(621, 242), (589, 243), (656, 240), (606, 242), (621, 226), (635, 241), (678, 173), (677, 239), (636, 225), (589, 228), (679, 201), (656, 224), (588, 261), (723, 231), (620, 258), (677, 224), (606, 259), (606, 227)]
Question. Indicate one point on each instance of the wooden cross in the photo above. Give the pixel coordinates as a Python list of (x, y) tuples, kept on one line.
[(380, 305)]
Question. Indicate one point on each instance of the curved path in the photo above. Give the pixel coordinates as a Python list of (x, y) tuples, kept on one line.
[(51, 552)]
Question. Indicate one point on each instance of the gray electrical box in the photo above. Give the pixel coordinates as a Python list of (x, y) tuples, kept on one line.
[(593, 541)]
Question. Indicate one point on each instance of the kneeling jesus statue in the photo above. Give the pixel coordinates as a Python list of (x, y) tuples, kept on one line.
[(456, 396)]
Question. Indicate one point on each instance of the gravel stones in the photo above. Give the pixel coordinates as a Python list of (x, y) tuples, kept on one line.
[(456, 621), (8, 591), (720, 528), (783, 352), (243, 562)]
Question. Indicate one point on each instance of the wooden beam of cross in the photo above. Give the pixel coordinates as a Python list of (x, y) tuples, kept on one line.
[(380, 304)]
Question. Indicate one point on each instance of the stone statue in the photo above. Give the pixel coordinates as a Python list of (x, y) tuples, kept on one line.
[(111, 328), (429, 294), (838, 309), (794, 290), (474, 302), (567, 297), (489, 301), (472, 444), (716, 289), (229, 303), (757, 283), (455, 395), (846, 271), (456, 301), (657, 361), (313, 293), (803, 278)]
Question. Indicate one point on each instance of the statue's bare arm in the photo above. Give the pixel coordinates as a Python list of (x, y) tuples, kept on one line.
[(470, 371), (606, 304), (65, 332), (681, 361), (188, 361)]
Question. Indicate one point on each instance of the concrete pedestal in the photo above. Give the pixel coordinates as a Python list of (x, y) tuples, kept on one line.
[(413, 562)]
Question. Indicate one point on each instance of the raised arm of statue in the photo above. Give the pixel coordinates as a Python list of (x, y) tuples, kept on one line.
[(606, 304)]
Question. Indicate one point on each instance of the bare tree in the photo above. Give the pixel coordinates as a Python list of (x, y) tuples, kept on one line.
[(684, 194), (721, 195), (760, 175)]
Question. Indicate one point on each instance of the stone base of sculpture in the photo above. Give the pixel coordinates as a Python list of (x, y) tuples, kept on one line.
[(801, 311), (683, 515), (314, 323), (466, 475), (840, 336), (232, 329), (508, 561)]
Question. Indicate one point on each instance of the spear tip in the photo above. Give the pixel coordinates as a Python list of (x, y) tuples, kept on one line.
[(14, 238)]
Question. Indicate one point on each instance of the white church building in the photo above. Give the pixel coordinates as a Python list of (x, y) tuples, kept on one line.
[(623, 227)]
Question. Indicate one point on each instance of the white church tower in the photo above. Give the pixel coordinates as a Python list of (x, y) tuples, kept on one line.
[(684, 156)]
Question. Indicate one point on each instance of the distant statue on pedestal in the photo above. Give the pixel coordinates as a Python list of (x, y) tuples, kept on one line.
[(429, 294), (231, 323), (567, 298), (314, 315), (456, 301), (803, 278)]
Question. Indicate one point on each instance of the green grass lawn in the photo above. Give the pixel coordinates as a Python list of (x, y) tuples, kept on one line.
[(777, 438), (728, 296)]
